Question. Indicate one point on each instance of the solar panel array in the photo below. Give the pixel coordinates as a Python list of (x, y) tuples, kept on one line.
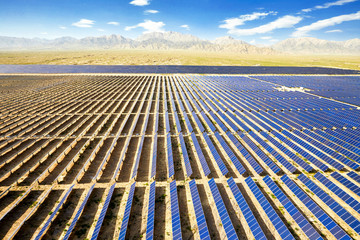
[(256, 157)]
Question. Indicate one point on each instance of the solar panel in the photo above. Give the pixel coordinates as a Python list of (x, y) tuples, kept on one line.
[(224, 216), (315, 209), (246, 154), (247, 213), (200, 154), (286, 150), (208, 122), (218, 121), (216, 155), (151, 213), (335, 206), (154, 154), (347, 183), (310, 232), (188, 124), (126, 215), (137, 160), (79, 212), (198, 122), (354, 176), (185, 156), (175, 214), (50, 219), (230, 153), (269, 210), (199, 213), (103, 213), (338, 191), (259, 152), (170, 156)]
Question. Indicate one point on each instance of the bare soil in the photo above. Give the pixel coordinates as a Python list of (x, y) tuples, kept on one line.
[(30, 226), (19, 210), (108, 229), (160, 208), (91, 171), (135, 219), (112, 163), (161, 165), (144, 164)]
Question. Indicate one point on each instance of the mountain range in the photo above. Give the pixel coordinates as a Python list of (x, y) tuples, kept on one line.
[(179, 41)]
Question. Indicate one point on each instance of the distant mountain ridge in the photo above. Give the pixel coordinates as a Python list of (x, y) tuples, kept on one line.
[(309, 45), (179, 41), (149, 41)]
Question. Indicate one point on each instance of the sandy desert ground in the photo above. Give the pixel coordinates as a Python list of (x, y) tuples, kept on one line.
[(145, 57)]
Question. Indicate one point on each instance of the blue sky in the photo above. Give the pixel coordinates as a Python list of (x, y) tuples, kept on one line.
[(256, 21)]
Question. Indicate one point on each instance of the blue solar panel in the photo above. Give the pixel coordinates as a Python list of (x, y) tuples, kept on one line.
[(200, 154), (137, 160), (151, 213), (230, 153), (185, 155), (286, 150), (246, 154), (199, 213), (103, 213), (50, 219), (224, 216), (269, 210), (247, 213), (310, 232), (315, 209), (198, 123), (354, 176), (335, 206), (188, 124), (218, 121), (216, 155), (126, 216), (77, 215), (259, 152), (175, 214), (347, 183), (338, 191), (170, 156), (154, 154), (208, 122)]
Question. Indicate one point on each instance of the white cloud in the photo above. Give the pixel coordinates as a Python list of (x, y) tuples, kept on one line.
[(101, 30), (282, 22), (150, 11), (185, 26), (149, 26), (62, 27), (303, 31), (140, 2), (232, 23), (334, 31), (252, 41), (113, 23), (266, 37), (44, 33), (84, 23), (328, 4)]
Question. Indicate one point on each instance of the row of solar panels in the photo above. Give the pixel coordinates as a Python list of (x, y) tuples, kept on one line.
[(312, 197)]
